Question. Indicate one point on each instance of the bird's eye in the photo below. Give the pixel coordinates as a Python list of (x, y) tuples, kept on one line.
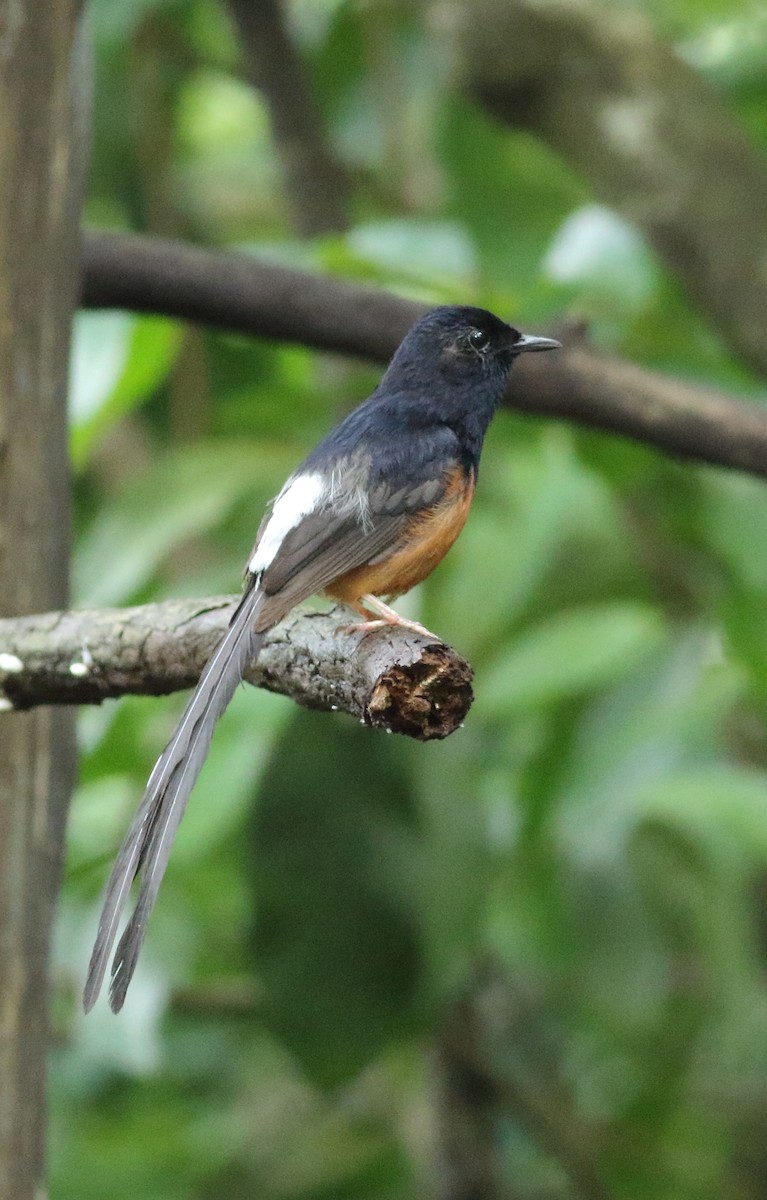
[(478, 339)]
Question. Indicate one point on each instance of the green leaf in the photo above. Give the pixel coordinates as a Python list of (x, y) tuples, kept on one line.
[(179, 497), (600, 253), (335, 943), (509, 192), (432, 252), (571, 653), (118, 362), (113, 24), (661, 719), (733, 520), (535, 503), (723, 808)]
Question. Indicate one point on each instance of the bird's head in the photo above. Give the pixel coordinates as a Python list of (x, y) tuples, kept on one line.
[(462, 344)]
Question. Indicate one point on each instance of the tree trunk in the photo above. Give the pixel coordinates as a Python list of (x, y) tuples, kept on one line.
[(42, 153)]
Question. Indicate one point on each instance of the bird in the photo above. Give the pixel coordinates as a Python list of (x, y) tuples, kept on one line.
[(366, 516)]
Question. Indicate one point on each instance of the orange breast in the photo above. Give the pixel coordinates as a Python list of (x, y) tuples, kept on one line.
[(428, 538)]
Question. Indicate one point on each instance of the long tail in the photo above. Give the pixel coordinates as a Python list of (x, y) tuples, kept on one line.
[(147, 844)]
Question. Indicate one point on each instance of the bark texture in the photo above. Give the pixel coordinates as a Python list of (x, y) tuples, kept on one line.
[(390, 679), (41, 171)]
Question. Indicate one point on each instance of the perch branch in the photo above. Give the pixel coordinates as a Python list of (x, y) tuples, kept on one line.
[(238, 293), (393, 680)]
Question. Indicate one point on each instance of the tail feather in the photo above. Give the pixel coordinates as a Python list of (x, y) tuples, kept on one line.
[(147, 845)]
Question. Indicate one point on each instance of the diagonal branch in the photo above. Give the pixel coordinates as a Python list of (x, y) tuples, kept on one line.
[(393, 679), (315, 181), (238, 293)]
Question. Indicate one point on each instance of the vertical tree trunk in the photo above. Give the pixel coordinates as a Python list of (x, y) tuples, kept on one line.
[(42, 153)]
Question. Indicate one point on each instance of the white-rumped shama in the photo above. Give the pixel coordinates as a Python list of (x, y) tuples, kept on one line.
[(369, 513)]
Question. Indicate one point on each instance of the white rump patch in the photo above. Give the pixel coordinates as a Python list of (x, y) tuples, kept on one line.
[(299, 497)]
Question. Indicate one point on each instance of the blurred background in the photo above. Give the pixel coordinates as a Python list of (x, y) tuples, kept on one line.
[(527, 963)]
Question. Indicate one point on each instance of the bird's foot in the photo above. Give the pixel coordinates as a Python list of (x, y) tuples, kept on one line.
[(387, 618)]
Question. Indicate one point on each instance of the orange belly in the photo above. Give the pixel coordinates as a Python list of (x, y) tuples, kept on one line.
[(428, 538)]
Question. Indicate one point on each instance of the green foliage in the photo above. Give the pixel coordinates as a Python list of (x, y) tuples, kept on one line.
[(332, 867), (596, 837), (118, 362)]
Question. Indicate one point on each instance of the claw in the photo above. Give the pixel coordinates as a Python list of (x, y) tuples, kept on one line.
[(388, 617), (364, 626)]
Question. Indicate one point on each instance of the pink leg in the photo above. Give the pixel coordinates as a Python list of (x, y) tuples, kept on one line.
[(386, 616)]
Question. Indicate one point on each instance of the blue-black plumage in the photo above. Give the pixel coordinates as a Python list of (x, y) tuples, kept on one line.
[(368, 514)]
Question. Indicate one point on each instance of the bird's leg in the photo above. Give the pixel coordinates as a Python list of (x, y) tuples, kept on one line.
[(386, 616)]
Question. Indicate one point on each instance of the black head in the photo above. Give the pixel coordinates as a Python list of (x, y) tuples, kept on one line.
[(463, 345), (451, 369), (449, 372)]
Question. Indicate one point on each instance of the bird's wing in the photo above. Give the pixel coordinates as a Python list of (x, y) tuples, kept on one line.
[(327, 543)]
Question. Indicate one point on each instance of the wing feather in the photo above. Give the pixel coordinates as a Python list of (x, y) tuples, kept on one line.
[(328, 544)]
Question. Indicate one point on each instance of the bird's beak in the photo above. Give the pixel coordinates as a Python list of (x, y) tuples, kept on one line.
[(529, 342)]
